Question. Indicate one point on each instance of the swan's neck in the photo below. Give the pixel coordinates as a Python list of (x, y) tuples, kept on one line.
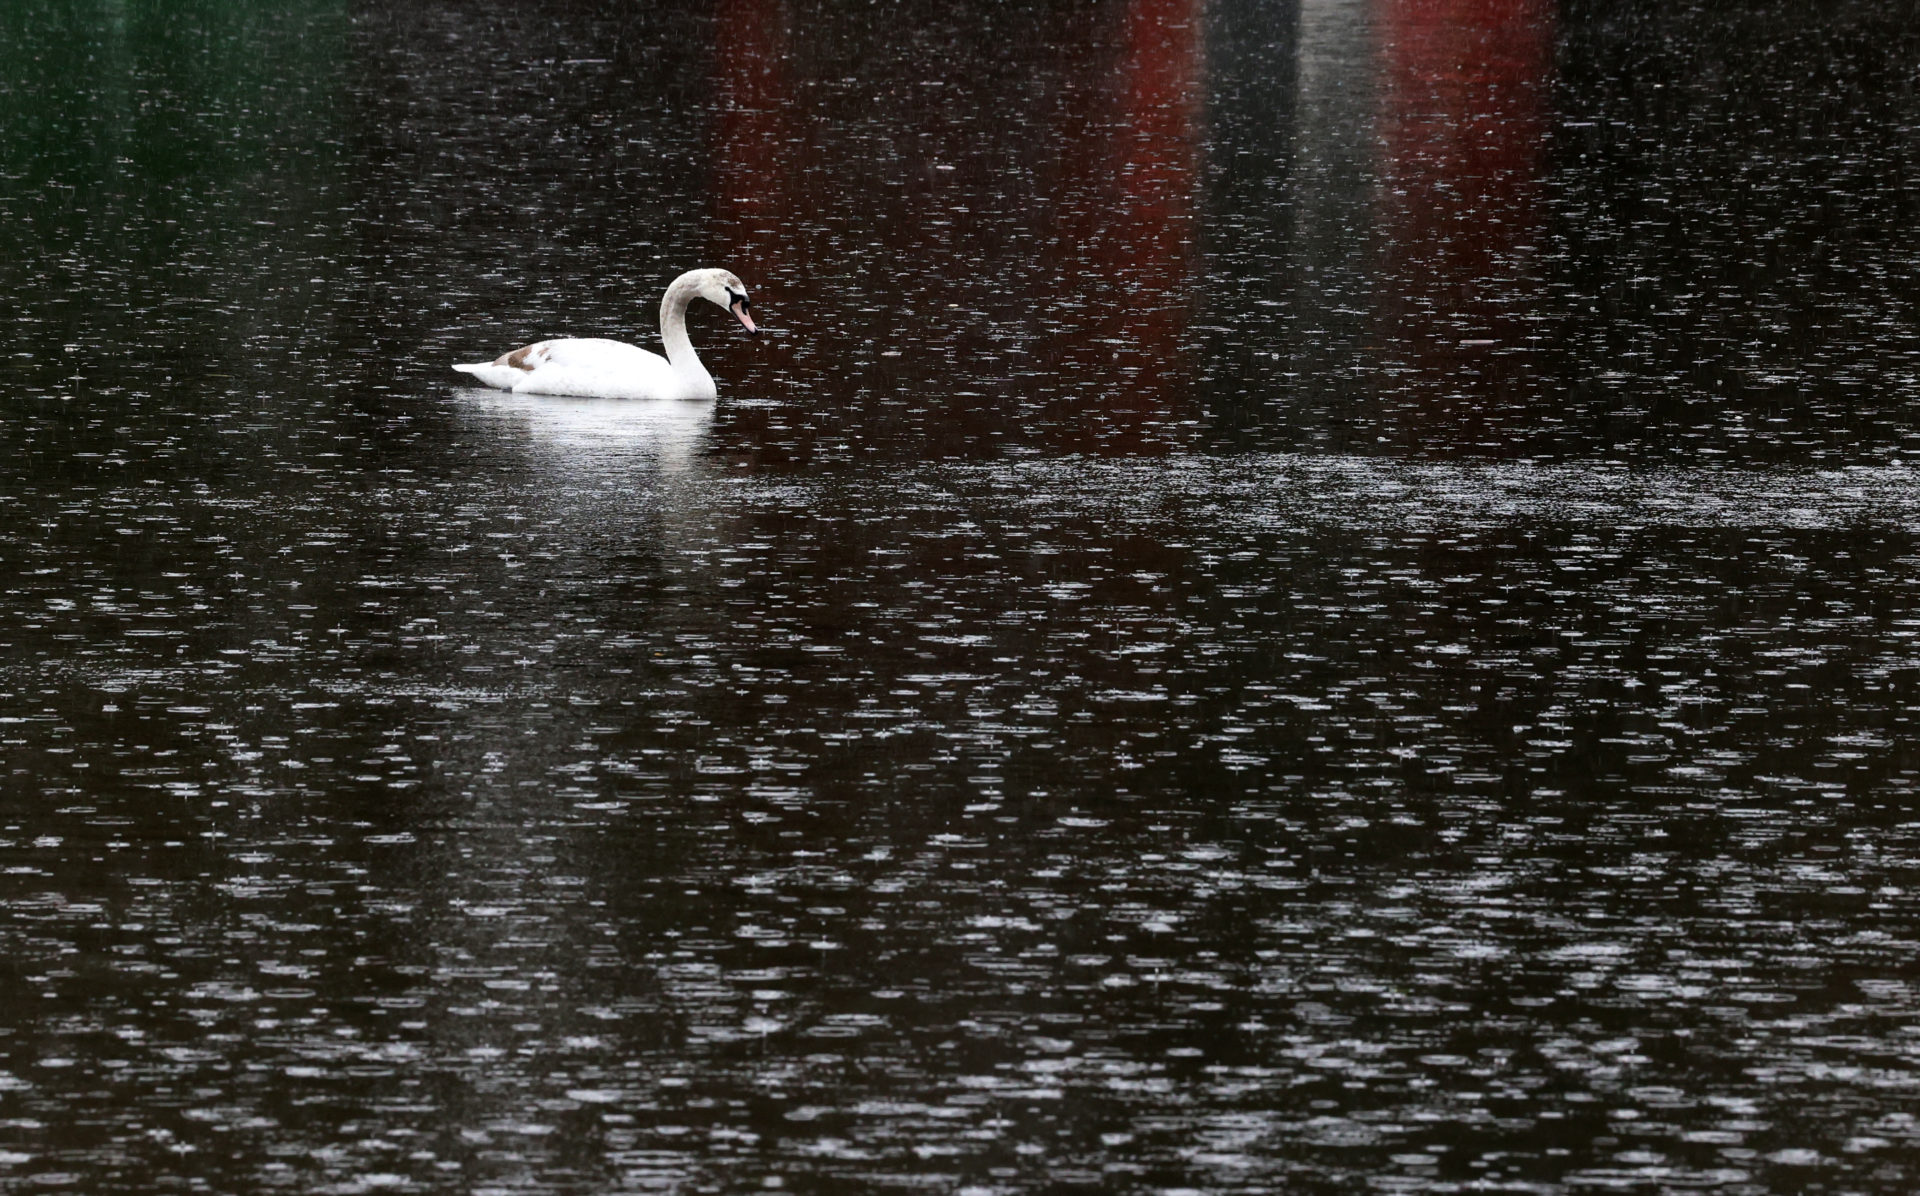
[(673, 324)]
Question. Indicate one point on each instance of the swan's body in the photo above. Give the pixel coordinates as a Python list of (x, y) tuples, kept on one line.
[(601, 369)]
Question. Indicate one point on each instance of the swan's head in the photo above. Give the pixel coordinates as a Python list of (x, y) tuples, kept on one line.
[(724, 289)]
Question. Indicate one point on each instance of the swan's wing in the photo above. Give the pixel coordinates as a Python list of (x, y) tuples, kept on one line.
[(590, 353), (593, 368)]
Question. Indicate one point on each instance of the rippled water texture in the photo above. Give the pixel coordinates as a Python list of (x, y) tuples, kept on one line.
[(1300, 597)]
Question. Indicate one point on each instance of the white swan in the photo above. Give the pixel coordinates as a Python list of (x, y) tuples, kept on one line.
[(591, 368)]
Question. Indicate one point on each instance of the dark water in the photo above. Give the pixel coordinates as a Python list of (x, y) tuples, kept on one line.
[(1301, 597)]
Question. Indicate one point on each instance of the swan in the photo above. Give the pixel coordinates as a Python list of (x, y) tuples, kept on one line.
[(592, 368)]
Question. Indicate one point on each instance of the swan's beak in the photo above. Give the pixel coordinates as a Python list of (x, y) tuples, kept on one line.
[(739, 309)]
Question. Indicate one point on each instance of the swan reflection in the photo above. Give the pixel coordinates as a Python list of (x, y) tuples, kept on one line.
[(591, 434)]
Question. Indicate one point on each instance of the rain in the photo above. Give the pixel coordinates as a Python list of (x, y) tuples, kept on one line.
[(1306, 596)]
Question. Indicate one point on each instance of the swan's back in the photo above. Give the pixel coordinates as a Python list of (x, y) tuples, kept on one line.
[(590, 367)]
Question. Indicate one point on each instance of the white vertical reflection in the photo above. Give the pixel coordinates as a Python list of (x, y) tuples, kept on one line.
[(1338, 107)]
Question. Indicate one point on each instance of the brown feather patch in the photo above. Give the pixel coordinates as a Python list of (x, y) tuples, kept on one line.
[(523, 358)]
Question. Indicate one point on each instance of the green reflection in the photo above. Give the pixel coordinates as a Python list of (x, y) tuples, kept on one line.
[(156, 150)]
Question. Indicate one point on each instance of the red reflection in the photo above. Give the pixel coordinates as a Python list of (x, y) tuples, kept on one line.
[(899, 158), (972, 234), (1133, 239), (755, 135), (1465, 111)]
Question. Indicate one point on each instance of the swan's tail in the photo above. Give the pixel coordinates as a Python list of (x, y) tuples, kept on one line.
[(492, 374)]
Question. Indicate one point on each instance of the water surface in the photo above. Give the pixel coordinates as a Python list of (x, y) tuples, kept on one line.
[(1301, 596)]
